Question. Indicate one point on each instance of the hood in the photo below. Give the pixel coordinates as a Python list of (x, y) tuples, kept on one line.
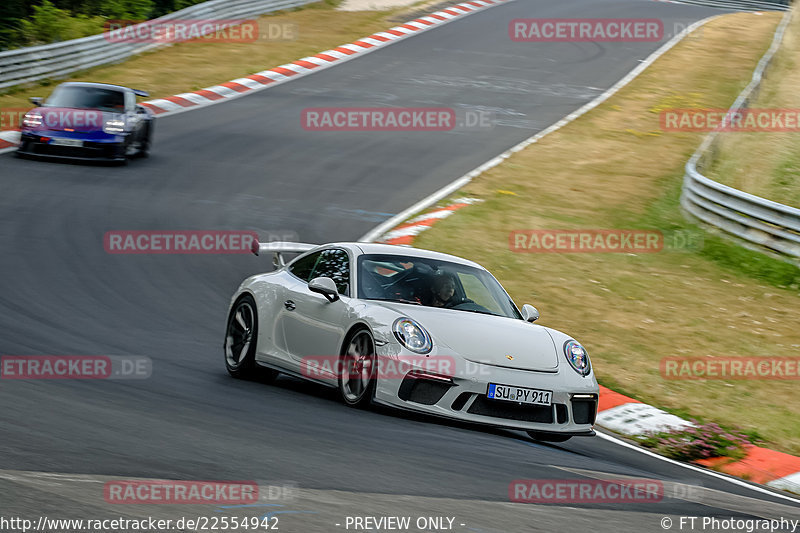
[(77, 120), (486, 339)]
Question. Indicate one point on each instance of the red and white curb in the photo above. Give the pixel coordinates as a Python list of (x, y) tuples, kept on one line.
[(790, 482), (639, 419), (625, 415), (616, 412), (308, 65), (9, 138), (632, 417), (302, 67), (404, 234)]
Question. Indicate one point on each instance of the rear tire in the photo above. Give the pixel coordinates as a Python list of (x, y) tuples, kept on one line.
[(241, 335), (358, 365), (548, 437)]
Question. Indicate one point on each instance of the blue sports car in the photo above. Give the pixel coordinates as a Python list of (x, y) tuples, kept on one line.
[(90, 121)]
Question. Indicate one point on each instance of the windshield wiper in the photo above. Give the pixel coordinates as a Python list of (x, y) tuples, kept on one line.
[(476, 311), (400, 300)]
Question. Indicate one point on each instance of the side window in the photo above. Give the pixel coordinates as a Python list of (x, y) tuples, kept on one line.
[(303, 267), (335, 264)]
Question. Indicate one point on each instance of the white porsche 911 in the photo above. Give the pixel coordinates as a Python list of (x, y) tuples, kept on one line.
[(413, 329)]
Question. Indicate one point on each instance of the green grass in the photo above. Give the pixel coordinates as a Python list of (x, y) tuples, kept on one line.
[(727, 253), (767, 163), (614, 168)]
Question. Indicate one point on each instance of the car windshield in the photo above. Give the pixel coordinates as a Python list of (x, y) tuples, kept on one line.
[(88, 98), (432, 283)]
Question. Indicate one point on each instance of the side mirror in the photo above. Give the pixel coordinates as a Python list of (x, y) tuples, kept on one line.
[(530, 313), (140, 110), (36, 100), (324, 286)]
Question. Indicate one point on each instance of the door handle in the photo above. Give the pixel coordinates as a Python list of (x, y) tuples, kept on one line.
[(288, 304)]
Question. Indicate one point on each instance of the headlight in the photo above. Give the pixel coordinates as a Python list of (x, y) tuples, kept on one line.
[(114, 126), (32, 119), (577, 357), (412, 335)]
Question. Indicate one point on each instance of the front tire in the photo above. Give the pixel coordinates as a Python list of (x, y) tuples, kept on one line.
[(548, 437), (358, 365), (22, 149), (241, 335)]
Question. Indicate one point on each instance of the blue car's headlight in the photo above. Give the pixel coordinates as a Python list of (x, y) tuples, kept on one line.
[(412, 335), (577, 357), (114, 126), (32, 119)]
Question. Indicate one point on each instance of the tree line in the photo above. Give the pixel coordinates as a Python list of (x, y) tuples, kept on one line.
[(29, 23)]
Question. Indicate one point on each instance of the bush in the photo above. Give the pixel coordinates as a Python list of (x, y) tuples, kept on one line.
[(30, 23), (698, 442), (51, 24), (126, 9), (50, 21)]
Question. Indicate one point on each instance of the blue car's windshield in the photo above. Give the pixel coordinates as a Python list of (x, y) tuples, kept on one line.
[(433, 283), (88, 98)]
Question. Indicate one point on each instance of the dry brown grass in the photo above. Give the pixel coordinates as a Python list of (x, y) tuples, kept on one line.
[(768, 163), (613, 168)]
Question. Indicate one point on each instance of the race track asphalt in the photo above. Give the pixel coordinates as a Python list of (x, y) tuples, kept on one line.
[(249, 165)]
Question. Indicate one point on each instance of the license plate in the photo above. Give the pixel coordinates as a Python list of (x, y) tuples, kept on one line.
[(519, 394), (67, 142)]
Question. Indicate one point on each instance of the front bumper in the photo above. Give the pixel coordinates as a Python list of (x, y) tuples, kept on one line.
[(462, 395), (110, 149)]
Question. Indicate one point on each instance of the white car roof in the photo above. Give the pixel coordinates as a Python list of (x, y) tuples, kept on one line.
[(392, 249)]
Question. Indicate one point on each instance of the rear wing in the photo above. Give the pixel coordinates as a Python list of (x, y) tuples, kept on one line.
[(279, 248), (143, 94)]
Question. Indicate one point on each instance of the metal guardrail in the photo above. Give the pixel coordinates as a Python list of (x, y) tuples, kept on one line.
[(756, 220), (749, 5), (53, 61)]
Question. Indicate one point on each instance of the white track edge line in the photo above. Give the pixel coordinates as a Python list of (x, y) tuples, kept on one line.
[(460, 182), (429, 200), (731, 479), (382, 228)]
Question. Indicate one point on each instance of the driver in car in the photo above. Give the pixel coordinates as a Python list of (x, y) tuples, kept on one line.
[(443, 289)]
